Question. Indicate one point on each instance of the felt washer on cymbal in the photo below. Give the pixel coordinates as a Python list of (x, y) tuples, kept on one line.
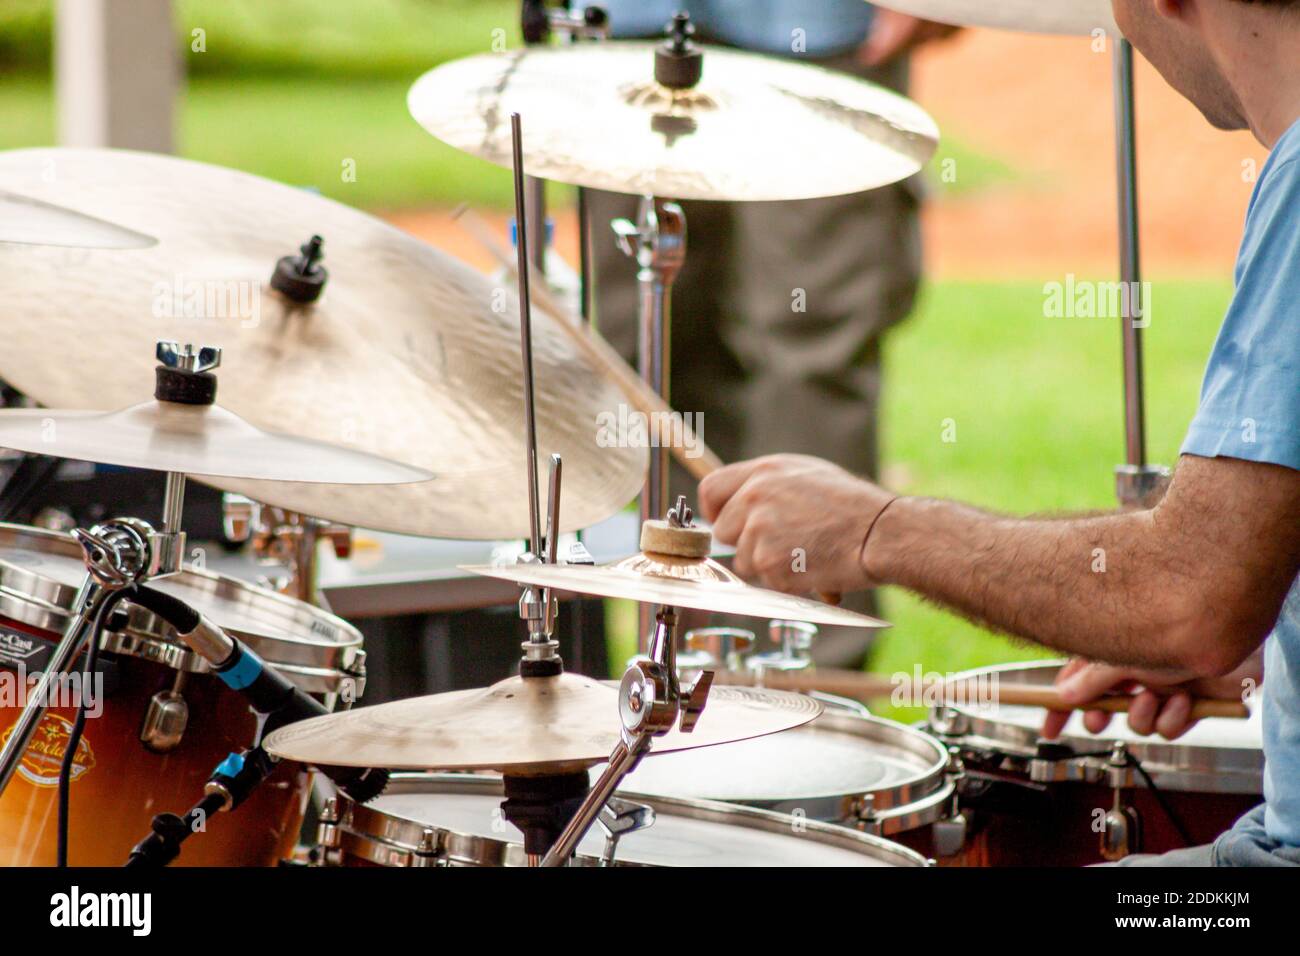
[(660, 537)]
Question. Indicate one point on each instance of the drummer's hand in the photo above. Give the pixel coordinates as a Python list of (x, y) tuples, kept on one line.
[(893, 34), (798, 523), (1161, 706)]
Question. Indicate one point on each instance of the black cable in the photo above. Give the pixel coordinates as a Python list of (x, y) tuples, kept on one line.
[(79, 723)]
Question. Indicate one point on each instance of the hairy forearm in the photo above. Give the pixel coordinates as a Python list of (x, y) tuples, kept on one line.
[(1108, 587)]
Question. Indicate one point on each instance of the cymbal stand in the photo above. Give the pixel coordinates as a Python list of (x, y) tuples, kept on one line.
[(657, 241), (1137, 482), (650, 701)]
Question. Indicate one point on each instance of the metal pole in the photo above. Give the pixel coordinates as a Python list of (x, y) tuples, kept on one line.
[(526, 335), (1137, 483)]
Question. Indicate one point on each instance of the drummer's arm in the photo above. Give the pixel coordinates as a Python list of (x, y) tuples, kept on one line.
[(1195, 583)]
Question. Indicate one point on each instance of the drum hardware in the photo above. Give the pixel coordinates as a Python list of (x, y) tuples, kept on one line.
[(302, 278), (618, 817), (166, 717), (710, 648), (585, 23), (794, 641), (285, 538)]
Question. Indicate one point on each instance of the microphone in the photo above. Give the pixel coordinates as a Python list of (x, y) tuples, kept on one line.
[(268, 691)]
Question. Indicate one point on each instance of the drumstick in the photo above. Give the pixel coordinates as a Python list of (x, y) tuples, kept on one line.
[(608, 361), (866, 686)]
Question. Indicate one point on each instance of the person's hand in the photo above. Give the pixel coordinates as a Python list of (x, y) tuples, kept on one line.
[(1162, 700), (893, 34), (798, 523)]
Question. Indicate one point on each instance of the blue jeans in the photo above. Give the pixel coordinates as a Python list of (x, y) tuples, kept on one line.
[(1246, 844)]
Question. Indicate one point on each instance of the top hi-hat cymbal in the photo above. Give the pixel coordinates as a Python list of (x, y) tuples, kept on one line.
[(673, 569), (32, 222), (203, 440), (1029, 16), (521, 725), (755, 127), (407, 354)]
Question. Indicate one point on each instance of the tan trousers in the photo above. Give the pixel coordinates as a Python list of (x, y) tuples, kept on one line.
[(777, 318)]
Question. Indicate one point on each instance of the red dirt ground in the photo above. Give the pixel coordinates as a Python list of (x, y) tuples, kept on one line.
[(1043, 106)]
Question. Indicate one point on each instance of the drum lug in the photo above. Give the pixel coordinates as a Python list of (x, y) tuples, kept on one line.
[(1119, 767), (1121, 832), (354, 674), (948, 722), (948, 836), (328, 831), (165, 718), (864, 812)]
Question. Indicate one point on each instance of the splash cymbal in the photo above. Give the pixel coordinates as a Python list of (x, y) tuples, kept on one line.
[(521, 726), (755, 128), (408, 354), (203, 440)]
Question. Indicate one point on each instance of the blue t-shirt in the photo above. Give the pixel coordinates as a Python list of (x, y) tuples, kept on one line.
[(820, 28), (1250, 409)]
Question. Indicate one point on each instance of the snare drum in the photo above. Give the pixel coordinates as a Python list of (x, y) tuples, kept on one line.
[(844, 767), (1080, 799), (456, 820), (166, 721)]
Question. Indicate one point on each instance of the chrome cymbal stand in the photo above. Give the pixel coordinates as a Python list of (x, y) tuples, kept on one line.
[(657, 241), (1137, 483), (650, 701), (118, 554)]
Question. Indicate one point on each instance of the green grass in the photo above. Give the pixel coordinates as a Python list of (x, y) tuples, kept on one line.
[(335, 38), (1038, 412)]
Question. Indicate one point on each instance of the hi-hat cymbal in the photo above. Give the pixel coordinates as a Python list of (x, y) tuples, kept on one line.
[(755, 128), (521, 726), (203, 440), (31, 222), (699, 583), (408, 354), (1029, 16)]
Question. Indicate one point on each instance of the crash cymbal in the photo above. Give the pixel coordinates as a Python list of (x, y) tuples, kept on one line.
[(408, 354), (205, 440), (521, 726), (755, 128), (1029, 16), (699, 583), (31, 222)]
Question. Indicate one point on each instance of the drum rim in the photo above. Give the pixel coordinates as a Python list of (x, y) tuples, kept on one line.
[(321, 661), (380, 836), (916, 801), (1173, 764)]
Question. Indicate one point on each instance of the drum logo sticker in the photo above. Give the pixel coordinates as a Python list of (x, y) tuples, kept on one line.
[(44, 755)]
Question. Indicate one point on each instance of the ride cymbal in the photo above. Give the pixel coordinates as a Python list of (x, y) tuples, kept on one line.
[(755, 128), (407, 354), (1029, 16), (521, 725)]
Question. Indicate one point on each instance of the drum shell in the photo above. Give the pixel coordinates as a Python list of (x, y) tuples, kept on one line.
[(1024, 811), (124, 784), (353, 835)]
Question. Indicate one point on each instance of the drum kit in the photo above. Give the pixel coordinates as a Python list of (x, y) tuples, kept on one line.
[(368, 380)]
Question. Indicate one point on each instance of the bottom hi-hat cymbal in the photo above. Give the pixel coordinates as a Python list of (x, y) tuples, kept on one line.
[(203, 440), (521, 726)]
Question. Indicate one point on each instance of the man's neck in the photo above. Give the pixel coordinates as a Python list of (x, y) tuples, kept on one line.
[(1258, 49)]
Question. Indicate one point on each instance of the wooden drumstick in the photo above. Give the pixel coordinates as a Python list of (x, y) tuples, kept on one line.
[(607, 360), (866, 686)]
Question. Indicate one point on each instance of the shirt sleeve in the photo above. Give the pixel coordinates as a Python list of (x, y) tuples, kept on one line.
[(1250, 399)]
